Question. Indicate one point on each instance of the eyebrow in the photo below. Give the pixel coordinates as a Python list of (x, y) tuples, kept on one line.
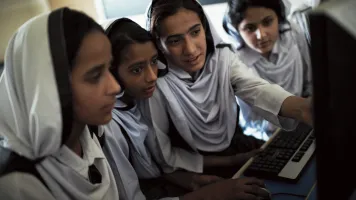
[(95, 69), (180, 35), (254, 23), (139, 63), (269, 16)]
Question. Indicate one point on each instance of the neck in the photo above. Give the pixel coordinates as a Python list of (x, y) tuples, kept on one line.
[(73, 141), (266, 55)]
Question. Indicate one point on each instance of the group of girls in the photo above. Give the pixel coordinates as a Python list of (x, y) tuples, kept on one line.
[(126, 113)]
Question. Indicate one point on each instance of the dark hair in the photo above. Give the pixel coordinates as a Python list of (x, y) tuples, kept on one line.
[(122, 33), (236, 13), (76, 25), (161, 9)]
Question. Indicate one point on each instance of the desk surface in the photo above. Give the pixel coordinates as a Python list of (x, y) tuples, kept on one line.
[(299, 191)]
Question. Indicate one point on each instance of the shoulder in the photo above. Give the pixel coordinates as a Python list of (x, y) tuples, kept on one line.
[(224, 52), (157, 97), (225, 45), (294, 35), (23, 186), (115, 142)]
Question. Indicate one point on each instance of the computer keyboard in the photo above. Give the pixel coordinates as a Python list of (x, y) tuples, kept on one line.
[(286, 156)]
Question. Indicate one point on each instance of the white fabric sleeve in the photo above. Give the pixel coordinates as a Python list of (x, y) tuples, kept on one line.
[(264, 98), (23, 186), (172, 157)]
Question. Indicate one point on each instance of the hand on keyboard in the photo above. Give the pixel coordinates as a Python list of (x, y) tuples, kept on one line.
[(232, 189), (203, 180), (191, 181), (241, 158)]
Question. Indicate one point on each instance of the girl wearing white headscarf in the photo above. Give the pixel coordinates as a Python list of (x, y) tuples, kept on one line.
[(54, 64), (128, 138), (273, 49), (197, 96)]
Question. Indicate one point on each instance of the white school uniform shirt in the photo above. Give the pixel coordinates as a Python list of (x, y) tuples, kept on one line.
[(289, 66), (23, 186), (119, 151), (203, 108)]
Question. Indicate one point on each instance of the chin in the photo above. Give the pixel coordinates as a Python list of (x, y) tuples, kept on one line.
[(107, 119), (146, 96), (103, 120), (195, 68), (264, 50)]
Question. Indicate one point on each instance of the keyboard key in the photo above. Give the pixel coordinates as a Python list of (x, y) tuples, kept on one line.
[(304, 148), (280, 151), (296, 158)]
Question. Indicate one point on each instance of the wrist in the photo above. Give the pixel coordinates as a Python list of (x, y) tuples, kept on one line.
[(306, 111)]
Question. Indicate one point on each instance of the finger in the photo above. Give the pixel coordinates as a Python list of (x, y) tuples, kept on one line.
[(257, 191), (207, 178), (255, 152), (214, 178), (253, 181)]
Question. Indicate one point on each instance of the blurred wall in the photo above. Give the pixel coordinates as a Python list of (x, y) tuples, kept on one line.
[(13, 13), (87, 6)]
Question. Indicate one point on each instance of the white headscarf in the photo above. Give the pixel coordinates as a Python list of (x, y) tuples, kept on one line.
[(31, 122), (203, 110)]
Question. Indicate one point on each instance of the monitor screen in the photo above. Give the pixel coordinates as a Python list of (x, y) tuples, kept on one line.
[(333, 39)]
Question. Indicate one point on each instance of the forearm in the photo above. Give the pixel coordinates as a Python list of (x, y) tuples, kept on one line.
[(183, 179), (218, 161)]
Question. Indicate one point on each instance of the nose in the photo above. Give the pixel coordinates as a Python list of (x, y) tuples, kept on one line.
[(190, 47), (151, 73), (113, 87), (260, 33)]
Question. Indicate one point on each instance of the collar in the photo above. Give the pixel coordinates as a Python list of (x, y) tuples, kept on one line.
[(91, 151)]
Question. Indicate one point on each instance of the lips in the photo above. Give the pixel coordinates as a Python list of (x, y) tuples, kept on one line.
[(193, 60), (264, 44), (150, 89), (109, 107)]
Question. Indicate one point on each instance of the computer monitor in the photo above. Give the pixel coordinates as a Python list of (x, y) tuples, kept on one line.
[(333, 43)]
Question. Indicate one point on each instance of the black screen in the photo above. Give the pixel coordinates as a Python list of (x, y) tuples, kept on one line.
[(334, 78)]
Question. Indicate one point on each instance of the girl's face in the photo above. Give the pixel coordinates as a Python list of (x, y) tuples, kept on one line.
[(138, 70), (182, 38), (94, 88), (260, 29)]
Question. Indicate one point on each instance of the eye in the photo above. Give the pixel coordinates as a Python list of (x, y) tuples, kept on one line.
[(173, 42), (250, 28), (195, 32), (154, 61), (267, 21), (95, 77), (136, 70)]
